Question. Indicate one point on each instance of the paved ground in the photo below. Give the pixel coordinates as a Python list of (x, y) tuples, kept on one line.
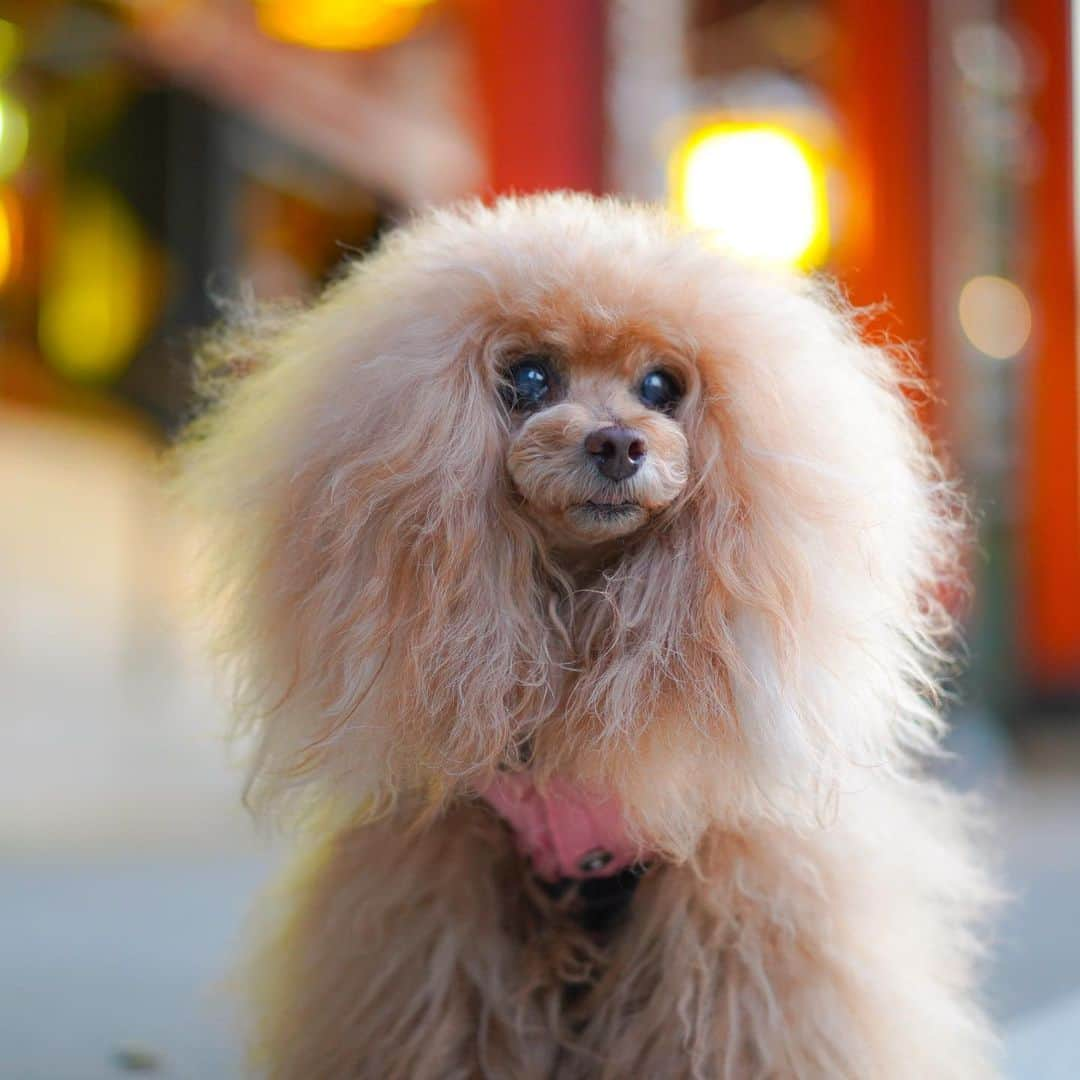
[(1045, 1045), (106, 961), (127, 867)]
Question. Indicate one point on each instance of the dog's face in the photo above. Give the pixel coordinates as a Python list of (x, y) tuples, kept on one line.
[(596, 447)]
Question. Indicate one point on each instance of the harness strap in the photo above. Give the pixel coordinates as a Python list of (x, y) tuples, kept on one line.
[(565, 830)]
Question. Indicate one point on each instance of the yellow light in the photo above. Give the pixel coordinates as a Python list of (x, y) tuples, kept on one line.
[(10, 236), (93, 308), (340, 24), (6, 244), (10, 45), (14, 135), (757, 189), (995, 316)]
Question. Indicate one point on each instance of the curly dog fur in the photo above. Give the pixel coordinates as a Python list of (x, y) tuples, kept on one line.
[(417, 589)]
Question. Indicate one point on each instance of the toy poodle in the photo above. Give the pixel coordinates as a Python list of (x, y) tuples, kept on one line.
[(585, 595)]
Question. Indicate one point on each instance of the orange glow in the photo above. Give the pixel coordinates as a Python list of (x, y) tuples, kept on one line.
[(340, 24), (10, 236)]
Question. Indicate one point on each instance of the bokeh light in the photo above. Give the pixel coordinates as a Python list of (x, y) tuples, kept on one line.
[(94, 298), (10, 236), (340, 24), (995, 316), (10, 45), (14, 135), (758, 189)]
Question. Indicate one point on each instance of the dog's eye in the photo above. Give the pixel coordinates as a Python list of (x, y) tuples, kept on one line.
[(527, 383), (660, 390)]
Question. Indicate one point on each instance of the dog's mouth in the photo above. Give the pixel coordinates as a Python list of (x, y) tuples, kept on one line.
[(599, 519), (609, 511)]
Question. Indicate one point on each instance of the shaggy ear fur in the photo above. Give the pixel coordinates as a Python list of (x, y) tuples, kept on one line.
[(782, 638), (848, 537), (379, 604)]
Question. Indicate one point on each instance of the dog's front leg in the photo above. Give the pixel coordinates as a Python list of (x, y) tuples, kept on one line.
[(395, 962)]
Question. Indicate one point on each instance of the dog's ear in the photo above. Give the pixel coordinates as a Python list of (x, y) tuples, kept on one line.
[(792, 607), (840, 552), (380, 608)]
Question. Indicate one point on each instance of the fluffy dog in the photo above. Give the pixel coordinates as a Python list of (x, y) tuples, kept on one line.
[(584, 590)]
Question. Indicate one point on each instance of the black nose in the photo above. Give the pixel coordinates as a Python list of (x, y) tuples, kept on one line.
[(616, 451)]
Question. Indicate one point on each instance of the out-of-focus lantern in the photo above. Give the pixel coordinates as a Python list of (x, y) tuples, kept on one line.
[(10, 45), (757, 188), (96, 289), (10, 236), (14, 135), (995, 316), (340, 24)]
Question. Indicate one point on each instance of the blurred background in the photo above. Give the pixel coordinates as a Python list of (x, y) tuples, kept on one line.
[(159, 155)]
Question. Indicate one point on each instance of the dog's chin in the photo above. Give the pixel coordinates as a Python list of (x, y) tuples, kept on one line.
[(606, 520), (593, 522)]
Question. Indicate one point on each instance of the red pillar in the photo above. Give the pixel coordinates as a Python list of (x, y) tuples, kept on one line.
[(881, 92), (540, 74), (1049, 477)]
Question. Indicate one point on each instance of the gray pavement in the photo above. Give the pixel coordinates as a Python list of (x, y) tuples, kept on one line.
[(112, 963)]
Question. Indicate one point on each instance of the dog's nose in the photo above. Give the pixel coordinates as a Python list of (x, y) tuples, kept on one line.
[(616, 451)]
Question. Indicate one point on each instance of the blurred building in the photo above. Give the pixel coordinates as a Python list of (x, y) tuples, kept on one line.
[(162, 158)]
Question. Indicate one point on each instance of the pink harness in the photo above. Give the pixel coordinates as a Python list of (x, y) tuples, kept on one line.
[(566, 831)]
